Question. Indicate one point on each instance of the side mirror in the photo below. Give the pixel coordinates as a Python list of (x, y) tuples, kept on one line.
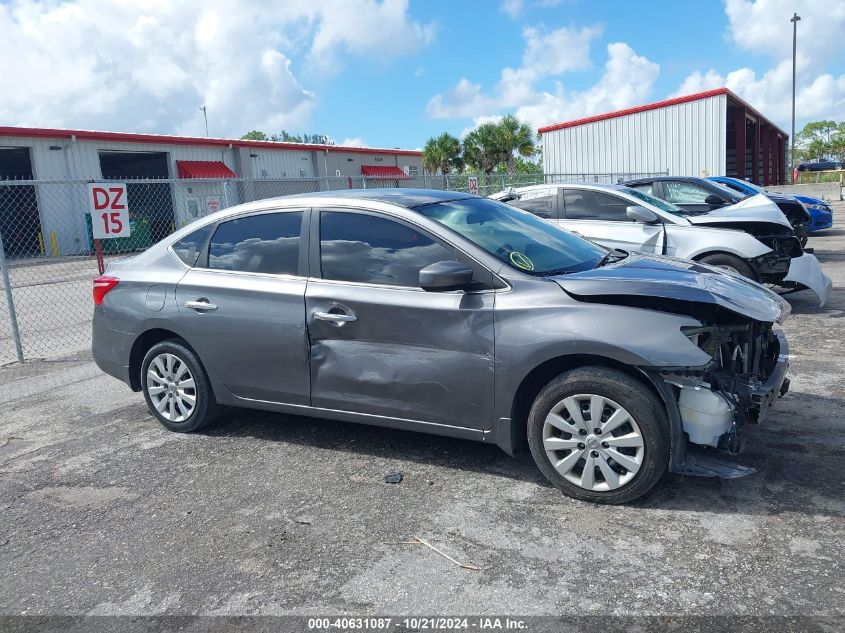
[(714, 200), (445, 276), (641, 214)]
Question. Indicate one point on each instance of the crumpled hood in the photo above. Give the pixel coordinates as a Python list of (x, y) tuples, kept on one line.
[(680, 280), (757, 208)]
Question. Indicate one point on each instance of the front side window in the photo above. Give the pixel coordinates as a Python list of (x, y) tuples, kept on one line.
[(585, 204), (517, 238), (366, 248), (540, 202), (685, 192), (266, 243), (188, 249)]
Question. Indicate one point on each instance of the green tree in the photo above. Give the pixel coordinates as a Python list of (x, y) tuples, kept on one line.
[(285, 137), (255, 135), (442, 154), (815, 140), (484, 148), (517, 139)]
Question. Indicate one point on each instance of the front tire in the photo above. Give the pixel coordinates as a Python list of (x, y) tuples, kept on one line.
[(176, 387), (599, 435), (730, 262)]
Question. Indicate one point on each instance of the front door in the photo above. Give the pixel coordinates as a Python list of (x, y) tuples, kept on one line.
[(245, 307), (602, 217), (380, 345)]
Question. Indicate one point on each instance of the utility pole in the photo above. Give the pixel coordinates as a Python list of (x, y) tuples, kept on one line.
[(205, 113), (795, 19)]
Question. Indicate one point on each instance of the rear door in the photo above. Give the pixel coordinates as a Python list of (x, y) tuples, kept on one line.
[(602, 217), (541, 202), (244, 305), (380, 345)]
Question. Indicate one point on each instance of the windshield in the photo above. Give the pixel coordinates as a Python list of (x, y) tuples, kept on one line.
[(656, 202), (515, 237)]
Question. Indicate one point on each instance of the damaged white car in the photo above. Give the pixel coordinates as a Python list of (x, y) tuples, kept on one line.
[(752, 238)]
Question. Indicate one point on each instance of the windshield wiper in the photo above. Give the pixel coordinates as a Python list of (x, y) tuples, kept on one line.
[(613, 255)]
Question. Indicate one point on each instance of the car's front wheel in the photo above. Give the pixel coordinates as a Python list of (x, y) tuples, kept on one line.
[(599, 435), (731, 263), (176, 388)]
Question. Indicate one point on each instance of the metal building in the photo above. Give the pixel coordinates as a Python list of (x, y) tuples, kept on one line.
[(173, 178), (711, 133)]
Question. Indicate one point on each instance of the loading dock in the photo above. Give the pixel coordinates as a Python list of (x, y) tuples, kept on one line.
[(20, 224)]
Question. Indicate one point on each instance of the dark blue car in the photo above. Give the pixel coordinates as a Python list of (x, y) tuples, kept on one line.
[(819, 210)]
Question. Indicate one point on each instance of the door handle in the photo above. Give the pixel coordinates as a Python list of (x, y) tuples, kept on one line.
[(202, 305), (335, 318)]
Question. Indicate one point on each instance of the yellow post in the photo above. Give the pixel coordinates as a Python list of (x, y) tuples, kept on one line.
[(41, 243), (54, 243)]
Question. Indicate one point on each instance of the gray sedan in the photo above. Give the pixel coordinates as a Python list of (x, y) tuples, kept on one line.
[(447, 313)]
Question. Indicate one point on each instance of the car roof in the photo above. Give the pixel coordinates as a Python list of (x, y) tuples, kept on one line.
[(401, 196)]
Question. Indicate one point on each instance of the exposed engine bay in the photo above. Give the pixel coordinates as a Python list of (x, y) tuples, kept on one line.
[(747, 374)]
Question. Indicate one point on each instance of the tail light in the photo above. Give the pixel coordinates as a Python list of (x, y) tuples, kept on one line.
[(102, 285)]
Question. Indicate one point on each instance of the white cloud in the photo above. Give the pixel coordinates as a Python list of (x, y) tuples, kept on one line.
[(355, 141), (627, 80), (514, 7), (763, 27), (139, 65)]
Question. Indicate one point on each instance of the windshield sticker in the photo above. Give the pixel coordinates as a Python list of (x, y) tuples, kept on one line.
[(521, 261)]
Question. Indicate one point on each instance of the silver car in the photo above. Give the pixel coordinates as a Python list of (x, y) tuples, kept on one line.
[(451, 314), (752, 237)]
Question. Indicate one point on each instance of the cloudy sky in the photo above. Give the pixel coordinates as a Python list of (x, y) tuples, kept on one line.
[(393, 72)]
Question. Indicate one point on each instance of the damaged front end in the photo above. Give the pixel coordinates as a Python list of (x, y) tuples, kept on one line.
[(717, 402), (733, 322)]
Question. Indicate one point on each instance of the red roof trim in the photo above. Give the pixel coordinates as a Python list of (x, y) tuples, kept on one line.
[(203, 169), (384, 171), (129, 137), (643, 108)]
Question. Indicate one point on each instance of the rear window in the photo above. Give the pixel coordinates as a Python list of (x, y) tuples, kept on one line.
[(188, 249)]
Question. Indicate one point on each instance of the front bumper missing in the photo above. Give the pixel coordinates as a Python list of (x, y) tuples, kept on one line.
[(690, 459), (806, 272)]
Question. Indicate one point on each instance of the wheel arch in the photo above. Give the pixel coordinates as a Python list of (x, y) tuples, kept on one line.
[(750, 262), (142, 345), (542, 374)]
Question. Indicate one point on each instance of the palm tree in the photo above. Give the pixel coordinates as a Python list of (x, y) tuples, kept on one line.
[(517, 138), (442, 153), (483, 148)]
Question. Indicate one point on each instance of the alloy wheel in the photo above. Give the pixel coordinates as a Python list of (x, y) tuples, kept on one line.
[(593, 442), (171, 387)]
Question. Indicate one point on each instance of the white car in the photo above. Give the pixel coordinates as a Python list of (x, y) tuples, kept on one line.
[(752, 238)]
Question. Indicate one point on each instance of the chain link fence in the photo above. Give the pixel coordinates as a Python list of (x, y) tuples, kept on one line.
[(47, 248)]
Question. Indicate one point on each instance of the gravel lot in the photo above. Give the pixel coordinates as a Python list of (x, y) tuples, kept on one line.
[(105, 512)]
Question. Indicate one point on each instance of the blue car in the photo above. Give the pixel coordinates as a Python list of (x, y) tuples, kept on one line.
[(819, 210)]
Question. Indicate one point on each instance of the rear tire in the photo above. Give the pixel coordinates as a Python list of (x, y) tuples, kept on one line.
[(730, 262), (176, 387), (616, 462)]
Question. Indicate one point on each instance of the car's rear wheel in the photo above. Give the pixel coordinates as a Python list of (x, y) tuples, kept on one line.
[(731, 263), (176, 387), (599, 435)]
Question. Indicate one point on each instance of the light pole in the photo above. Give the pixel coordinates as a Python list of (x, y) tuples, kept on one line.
[(795, 19), (205, 114)]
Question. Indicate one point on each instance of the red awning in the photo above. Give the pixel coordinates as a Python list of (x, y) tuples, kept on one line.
[(383, 172), (203, 169)]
